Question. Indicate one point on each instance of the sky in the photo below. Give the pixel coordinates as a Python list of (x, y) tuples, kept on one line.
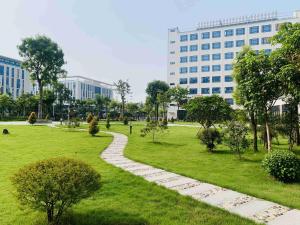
[(110, 40)]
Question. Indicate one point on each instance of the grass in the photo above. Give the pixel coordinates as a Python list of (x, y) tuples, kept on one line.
[(180, 151), (123, 199)]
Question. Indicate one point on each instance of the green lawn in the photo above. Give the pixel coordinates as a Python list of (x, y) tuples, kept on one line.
[(180, 151), (123, 199)]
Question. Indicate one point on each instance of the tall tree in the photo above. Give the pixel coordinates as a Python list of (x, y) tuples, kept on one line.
[(153, 89), (100, 101), (179, 95), (63, 94), (43, 59), (123, 88)]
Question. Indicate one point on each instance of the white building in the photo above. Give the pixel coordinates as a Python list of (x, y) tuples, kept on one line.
[(14, 80), (83, 88), (201, 59)]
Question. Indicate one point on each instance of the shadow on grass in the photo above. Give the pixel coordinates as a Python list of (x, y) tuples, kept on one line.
[(103, 217)]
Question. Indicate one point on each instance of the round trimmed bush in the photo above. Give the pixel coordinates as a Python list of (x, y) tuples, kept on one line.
[(283, 165)]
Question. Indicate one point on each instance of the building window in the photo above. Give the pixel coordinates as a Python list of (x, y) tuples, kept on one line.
[(193, 48), (183, 37), (205, 91), (183, 70), (265, 40), (172, 52), (205, 58), (183, 81), (172, 73), (228, 67), (205, 46), (12, 72), (7, 71), (172, 42), (228, 78), (216, 45), (254, 41), (193, 58), (239, 43), (172, 84), (216, 34), (268, 51), (229, 55), (229, 101), (205, 68), (228, 90), (216, 56), (216, 79), (172, 63), (183, 48), (193, 80), (228, 33), (205, 79), (193, 91), (183, 59), (205, 35), (2, 70), (216, 68), (240, 31), (216, 90), (228, 44), (193, 37), (254, 30), (193, 69), (266, 28)]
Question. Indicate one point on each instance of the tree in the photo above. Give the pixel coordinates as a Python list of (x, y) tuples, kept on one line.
[(53, 185), (179, 95), (43, 59), (32, 118), (123, 88), (210, 137), (153, 127), (153, 90), (63, 94), (26, 103), (93, 127), (107, 125), (89, 118), (6, 104), (48, 100), (100, 101)]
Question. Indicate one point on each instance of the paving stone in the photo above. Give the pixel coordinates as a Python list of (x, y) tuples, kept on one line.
[(180, 180), (291, 217), (161, 176), (197, 189)]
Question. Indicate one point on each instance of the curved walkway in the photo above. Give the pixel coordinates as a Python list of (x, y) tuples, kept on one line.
[(259, 210)]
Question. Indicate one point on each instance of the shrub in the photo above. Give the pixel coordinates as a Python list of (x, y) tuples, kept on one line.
[(93, 127), (107, 125), (283, 165), (148, 119), (172, 120), (47, 117), (210, 137), (32, 118), (53, 185), (5, 131), (125, 121), (165, 121), (89, 118)]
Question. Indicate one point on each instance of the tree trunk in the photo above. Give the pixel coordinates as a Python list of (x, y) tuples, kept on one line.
[(254, 129), (50, 215), (156, 111), (123, 106), (268, 133), (40, 107), (297, 125)]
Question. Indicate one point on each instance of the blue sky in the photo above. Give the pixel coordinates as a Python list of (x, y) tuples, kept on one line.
[(117, 39)]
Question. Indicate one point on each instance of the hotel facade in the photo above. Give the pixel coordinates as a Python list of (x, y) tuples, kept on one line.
[(201, 59)]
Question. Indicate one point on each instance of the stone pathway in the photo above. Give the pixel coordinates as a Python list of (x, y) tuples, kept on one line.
[(259, 210)]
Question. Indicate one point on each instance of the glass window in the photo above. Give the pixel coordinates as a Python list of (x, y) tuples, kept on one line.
[(183, 59), (254, 30), (193, 91), (205, 35), (205, 68), (193, 48), (172, 52), (7, 71), (205, 91), (193, 69), (193, 80), (183, 80), (268, 51), (205, 46), (240, 31), (12, 72), (172, 73), (216, 45), (205, 79), (228, 66), (216, 79), (228, 44), (172, 42), (265, 40), (239, 43), (228, 78), (183, 70), (216, 68), (172, 84), (229, 55), (193, 37), (216, 90), (266, 28), (216, 56), (1, 70), (183, 48), (205, 58), (172, 63), (228, 90), (229, 101), (216, 34), (254, 41), (183, 37), (193, 58), (228, 33)]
